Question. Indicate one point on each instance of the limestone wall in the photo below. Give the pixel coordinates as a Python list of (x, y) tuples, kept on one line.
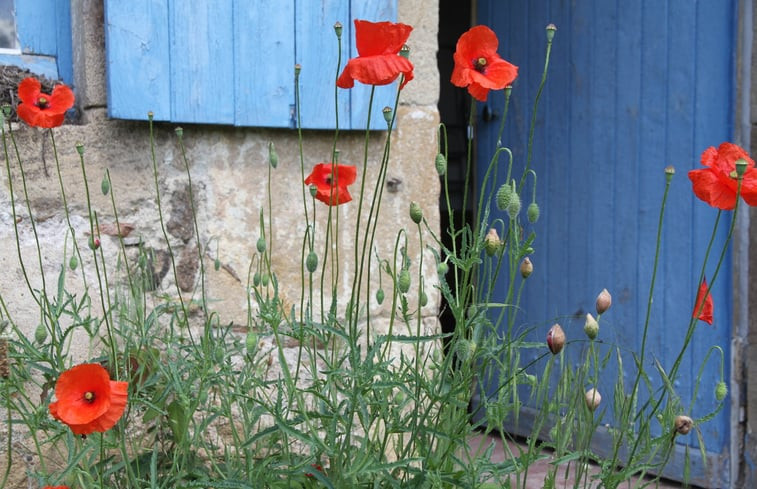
[(229, 168)]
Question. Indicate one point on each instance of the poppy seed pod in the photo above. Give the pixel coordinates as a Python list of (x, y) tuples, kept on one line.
[(551, 29), (592, 399), (526, 267), (591, 327), (683, 424), (555, 339), (416, 214), (604, 301)]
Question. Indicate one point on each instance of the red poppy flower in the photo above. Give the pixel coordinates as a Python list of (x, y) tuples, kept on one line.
[(88, 400), (40, 109), (330, 190), (707, 308), (717, 183), (378, 61), (477, 64)]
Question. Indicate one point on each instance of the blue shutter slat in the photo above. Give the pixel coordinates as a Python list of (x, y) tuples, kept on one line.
[(264, 63), (45, 39), (317, 52), (136, 35), (202, 68), (36, 32), (384, 96)]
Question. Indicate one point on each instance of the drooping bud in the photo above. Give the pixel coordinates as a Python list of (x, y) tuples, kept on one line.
[(416, 214), (380, 296), (73, 262), (40, 334), (423, 299), (441, 164), (551, 29), (466, 349), (592, 398), (442, 268), (604, 301), (256, 279), (526, 267), (513, 207), (591, 327), (105, 185), (94, 242), (504, 194), (251, 343), (403, 281), (555, 339), (216, 264), (260, 245), (533, 212), (311, 262), (721, 390), (492, 243), (683, 424)]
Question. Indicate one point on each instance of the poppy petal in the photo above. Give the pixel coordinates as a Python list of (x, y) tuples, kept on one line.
[(478, 92), (29, 90), (704, 306), (707, 187), (374, 70), (61, 99), (478, 41), (376, 38)]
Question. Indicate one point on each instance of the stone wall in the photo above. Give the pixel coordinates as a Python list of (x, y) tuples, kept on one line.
[(229, 168)]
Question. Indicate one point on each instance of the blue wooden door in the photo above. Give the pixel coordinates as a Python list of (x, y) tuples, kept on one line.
[(633, 87)]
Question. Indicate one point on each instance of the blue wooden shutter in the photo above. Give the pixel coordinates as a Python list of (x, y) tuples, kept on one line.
[(44, 33), (232, 61)]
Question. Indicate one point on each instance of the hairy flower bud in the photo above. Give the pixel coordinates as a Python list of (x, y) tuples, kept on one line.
[(441, 164), (260, 245), (721, 390), (423, 299), (604, 301), (94, 243), (504, 194), (683, 424), (591, 327), (466, 349), (73, 262), (105, 185), (416, 214), (555, 339), (592, 399), (40, 334), (513, 207), (442, 268), (380, 296), (526, 267), (273, 156), (533, 212), (251, 343), (492, 243), (403, 281)]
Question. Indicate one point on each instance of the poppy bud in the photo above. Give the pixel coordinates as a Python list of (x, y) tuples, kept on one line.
[(441, 164), (492, 242), (532, 212), (311, 262), (105, 185), (513, 207), (4, 369), (503, 196), (593, 399), (416, 214), (591, 327), (683, 424), (388, 114), (555, 339), (264, 279), (217, 264), (466, 349), (40, 334), (380, 296), (273, 156), (403, 282), (551, 29), (73, 262), (604, 301), (94, 243), (526, 267), (423, 299), (260, 244), (721, 390), (256, 279), (442, 268)]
